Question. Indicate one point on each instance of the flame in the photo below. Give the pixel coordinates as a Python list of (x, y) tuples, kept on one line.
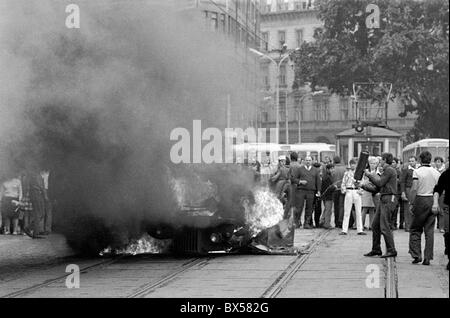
[(145, 245), (266, 212)]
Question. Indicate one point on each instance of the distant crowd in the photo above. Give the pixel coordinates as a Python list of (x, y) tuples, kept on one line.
[(383, 196)]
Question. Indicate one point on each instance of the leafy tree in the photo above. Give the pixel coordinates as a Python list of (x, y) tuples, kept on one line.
[(409, 50)]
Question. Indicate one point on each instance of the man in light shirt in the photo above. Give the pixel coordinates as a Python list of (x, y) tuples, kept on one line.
[(352, 197), (425, 179)]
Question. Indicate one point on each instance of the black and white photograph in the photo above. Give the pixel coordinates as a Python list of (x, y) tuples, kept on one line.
[(224, 155)]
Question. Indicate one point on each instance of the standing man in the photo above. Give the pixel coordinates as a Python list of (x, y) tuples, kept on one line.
[(280, 180), (306, 182), (425, 179), (47, 203), (338, 197), (406, 181), (396, 166), (442, 186), (37, 198), (294, 200), (352, 197), (387, 182), (327, 191), (440, 167)]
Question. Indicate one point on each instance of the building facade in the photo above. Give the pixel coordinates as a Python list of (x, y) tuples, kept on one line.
[(309, 117), (239, 21)]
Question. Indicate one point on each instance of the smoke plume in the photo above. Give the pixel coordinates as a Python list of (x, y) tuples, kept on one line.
[(96, 106)]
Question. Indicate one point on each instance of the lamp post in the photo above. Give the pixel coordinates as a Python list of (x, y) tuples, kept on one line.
[(298, 112), (277, 91)]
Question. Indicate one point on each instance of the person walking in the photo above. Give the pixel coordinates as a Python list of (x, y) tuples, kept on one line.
[(338, 197), (352, 197), (442, 188), (387, 184), (305, 181), (406, 181), (425, 179), (327, 191)]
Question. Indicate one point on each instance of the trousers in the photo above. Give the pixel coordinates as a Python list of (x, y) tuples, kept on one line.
[(352, 197), (423, 222), (381, 224)]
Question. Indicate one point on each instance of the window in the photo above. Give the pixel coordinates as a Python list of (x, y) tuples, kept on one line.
[(265, 44), (222, 23), (321, 108), (299, 106), (281, 37), (282, 5), (283, 75), (214, 21), (264, 116), (265, 76), (343, 108), (299, 37)]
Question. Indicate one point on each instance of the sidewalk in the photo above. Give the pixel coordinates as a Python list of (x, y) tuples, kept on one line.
[(19, 253), (338, 269)]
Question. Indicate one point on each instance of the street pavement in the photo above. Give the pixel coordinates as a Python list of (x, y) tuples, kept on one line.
[(335, 268)]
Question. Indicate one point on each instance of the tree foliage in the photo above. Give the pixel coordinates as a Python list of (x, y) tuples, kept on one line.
[(409, 50)]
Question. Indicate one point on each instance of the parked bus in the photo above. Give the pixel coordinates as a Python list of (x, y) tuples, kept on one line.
[(318, 151), (436, 146)]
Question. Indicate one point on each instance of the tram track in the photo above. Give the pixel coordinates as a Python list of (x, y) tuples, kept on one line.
[(48, 282), (283, 279), (391, 278)]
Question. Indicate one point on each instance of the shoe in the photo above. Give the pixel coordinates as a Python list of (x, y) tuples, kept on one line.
[(417, 260), (372, 253), (6, 233), (307, 226), (343, 233), (391, 254), (362, 233), (426, 262), (45, 233), (15, 233), (400, 227)]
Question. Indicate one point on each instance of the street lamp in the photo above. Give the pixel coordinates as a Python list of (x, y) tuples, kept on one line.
[(298, 112), (277, 92)]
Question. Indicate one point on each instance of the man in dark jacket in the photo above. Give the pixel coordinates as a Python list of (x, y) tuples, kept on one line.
[(387, 183), (406, 181), (327, 190), (305, 181), (443, 186)]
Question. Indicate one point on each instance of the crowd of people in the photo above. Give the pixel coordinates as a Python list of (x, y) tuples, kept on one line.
[(25, 204), (390, 196)]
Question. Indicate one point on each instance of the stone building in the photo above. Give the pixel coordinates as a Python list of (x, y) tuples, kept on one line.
[(309, 117)]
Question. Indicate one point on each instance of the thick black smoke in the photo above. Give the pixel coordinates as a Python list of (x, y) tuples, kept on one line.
[(96, 106)]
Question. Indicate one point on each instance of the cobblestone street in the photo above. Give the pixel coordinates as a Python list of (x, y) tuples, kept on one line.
[(334, 268)]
